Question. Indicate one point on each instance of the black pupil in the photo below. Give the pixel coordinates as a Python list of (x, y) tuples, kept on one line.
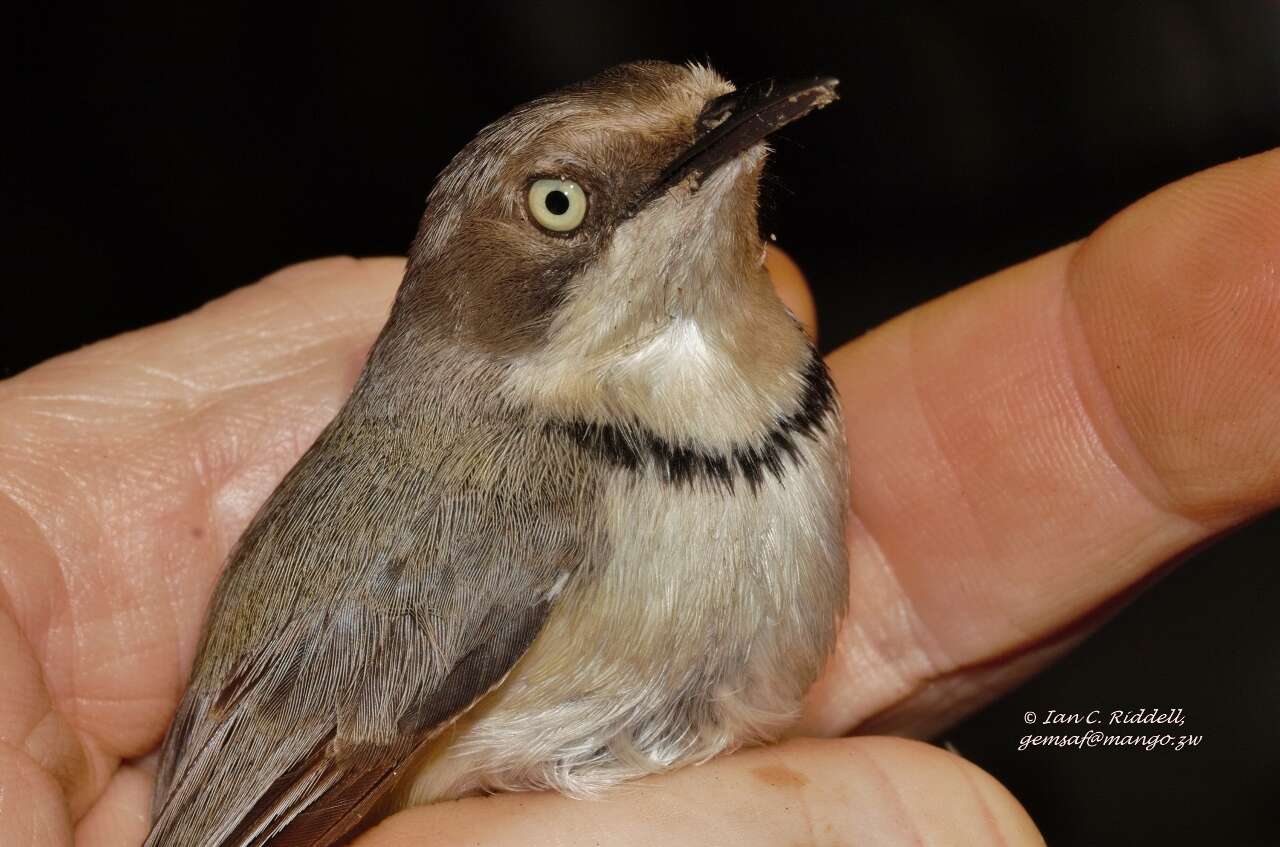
[(557, 202)]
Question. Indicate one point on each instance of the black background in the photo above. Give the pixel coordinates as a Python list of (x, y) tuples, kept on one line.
[(168, 155)]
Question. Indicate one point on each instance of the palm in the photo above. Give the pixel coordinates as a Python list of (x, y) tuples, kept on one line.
[(1019, 462)]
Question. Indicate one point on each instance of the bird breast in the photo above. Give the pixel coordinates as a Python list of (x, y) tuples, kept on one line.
[(707, 617)]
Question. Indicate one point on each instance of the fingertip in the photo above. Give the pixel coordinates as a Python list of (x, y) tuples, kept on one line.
[(1176, 303), (792, 287)]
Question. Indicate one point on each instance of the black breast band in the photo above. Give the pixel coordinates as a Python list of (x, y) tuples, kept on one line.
[(638, 449)]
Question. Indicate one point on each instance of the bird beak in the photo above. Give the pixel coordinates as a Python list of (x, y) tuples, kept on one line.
[(734, 122)]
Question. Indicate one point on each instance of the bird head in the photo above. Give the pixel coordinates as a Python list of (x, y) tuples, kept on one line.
[(605, 224)]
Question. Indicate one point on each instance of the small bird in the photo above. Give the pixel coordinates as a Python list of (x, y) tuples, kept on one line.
[(582, 517)]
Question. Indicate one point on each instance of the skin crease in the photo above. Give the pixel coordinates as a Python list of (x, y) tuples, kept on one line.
[(1024, 450)]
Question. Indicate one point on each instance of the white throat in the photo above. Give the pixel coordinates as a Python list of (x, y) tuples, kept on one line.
[(672, 330)]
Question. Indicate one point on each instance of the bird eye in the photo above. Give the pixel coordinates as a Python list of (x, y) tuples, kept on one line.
[(557, 204)]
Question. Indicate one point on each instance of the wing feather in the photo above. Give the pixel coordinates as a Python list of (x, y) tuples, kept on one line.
[(363, 611)]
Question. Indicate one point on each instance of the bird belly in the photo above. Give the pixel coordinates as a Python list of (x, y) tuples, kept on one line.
[(700, 631)]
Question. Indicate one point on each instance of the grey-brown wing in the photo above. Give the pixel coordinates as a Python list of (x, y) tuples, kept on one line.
[(250, 775), (342, 638)]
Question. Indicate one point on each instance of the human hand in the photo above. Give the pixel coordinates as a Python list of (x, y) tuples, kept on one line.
[(1025, 451)]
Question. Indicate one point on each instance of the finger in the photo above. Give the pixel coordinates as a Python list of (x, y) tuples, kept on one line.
[(1029, 448), (32, 808), (792, 288), (880, 791), (120, 817)]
